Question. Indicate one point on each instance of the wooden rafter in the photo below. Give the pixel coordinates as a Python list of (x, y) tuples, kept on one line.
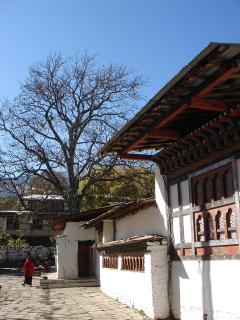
[(161, 124), (211, 105), (183, 108), (162, 133), (128, 156), (217, 81)]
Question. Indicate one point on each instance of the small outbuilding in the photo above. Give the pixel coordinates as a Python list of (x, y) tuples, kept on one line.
[(133, 256)]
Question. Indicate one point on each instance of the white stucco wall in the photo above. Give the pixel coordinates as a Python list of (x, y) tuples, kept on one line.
[(204, 286), (146, 221), (108, 231), (187, 228), (67, 248), (184, 187), (174, 201), (176, 230), (146, 291), (185, 203), (97, 256), (60, 257), (160, 195)]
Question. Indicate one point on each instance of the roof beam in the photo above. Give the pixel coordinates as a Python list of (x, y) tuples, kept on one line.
[(161, 124), (211, 105), (217, 81), (182, 108), (162, 133), (130, 156)]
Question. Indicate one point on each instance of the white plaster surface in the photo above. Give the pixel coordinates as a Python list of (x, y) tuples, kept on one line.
[(146, 291), (160, 195), (67, 249), (187, 228), (184, 187), (146, 221), (176, 230), (206, 287), (174, 201), (159, 271), (97, 256), (60, 258), (107, 231)]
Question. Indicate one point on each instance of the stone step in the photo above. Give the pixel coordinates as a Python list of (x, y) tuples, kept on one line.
[(68, 285), (81, 280), (62, 283)]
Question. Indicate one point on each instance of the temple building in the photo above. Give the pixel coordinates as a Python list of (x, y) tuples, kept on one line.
[(193, 124), (180, 259)]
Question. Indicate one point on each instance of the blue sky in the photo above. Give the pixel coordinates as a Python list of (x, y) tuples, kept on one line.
[(154, 37)]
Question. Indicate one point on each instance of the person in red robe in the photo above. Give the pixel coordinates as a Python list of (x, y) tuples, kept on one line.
[(28, 268)]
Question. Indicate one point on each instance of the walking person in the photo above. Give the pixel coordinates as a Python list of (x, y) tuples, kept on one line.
[(28, 268)]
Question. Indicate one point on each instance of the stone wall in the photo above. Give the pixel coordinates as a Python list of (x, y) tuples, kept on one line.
[(40, 253)]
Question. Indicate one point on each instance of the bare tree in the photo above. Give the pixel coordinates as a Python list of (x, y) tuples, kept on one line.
[(65, 111)]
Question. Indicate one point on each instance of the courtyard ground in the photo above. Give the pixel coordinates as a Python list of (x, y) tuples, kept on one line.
[(33, 303)]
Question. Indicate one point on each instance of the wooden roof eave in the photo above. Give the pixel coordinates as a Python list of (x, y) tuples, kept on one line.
[(139, 242), (227, 69), (211, 47)]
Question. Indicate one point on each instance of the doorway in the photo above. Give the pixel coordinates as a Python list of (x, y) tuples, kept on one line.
[(85, 258)]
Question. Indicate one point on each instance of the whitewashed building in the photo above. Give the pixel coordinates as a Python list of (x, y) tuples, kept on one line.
[(133, 256), (124, 247), (75, 245), (193, 124), (179, 258)]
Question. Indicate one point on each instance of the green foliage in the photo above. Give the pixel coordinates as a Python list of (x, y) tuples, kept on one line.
[(8, 241), (122, 185), (8, 204)]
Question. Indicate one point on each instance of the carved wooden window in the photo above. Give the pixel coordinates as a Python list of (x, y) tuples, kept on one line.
[(133, 262), (228, 184), (231, 224), (208, 223), (110, 261), (218, 185), (214, 217), (213, 186), (199, 193), (208, 190), (220, 225), (200, 228)]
